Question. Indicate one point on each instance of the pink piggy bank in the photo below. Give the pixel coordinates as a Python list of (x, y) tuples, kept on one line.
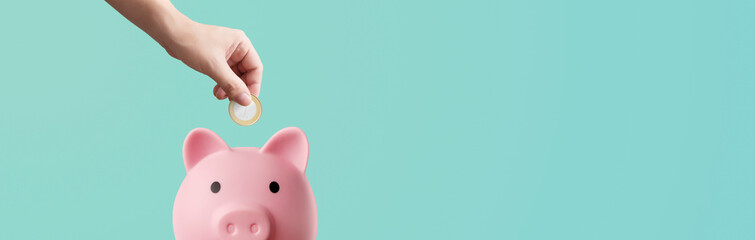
[(246, 192)]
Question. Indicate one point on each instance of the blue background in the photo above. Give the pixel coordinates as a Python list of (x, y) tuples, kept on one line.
[(510, 119)]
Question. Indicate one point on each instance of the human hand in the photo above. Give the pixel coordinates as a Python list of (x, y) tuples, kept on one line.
[(225, 55)]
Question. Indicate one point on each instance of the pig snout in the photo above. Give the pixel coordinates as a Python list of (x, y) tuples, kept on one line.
[(244, 223)]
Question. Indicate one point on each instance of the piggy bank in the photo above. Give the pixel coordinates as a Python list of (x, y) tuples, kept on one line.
[(245, 192)]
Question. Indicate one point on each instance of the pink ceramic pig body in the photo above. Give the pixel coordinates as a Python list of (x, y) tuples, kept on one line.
[(246, 192)]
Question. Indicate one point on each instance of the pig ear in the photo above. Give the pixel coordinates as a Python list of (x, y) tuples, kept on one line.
[(291, 145), (198, 144)]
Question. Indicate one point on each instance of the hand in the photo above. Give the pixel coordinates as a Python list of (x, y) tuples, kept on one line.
[(225, 55)]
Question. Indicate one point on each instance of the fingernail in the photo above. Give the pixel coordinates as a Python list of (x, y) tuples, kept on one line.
[(243, 99)]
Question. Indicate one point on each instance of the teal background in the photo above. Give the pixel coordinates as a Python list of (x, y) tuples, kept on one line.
[(509, 119)]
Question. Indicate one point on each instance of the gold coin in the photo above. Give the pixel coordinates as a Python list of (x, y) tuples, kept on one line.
[(245, 115)]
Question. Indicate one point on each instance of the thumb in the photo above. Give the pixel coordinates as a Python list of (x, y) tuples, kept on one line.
[(231, 84)]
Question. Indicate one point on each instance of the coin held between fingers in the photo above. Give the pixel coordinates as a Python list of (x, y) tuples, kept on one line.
[(245, 115)]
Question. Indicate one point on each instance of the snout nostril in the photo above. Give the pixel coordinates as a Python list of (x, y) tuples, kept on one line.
[(244, 223), (254, 228), (231, 228)]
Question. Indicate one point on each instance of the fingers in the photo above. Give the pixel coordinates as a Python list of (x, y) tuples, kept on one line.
[(250, 67), (218, 92), (240, 74), (229, 84)]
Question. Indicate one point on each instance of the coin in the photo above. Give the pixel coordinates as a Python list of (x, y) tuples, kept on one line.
[(245, 115)]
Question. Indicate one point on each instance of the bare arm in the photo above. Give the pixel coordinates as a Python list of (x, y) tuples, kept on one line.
[(225, 55)]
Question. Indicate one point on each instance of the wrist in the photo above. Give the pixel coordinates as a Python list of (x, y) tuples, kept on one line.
[(172, 26)]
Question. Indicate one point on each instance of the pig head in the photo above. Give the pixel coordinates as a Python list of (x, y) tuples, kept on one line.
[(245, 192)]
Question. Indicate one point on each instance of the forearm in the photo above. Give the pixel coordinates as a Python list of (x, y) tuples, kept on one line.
[(225, 55), (158, 18)]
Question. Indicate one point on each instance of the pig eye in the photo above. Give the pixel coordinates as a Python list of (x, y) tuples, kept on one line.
[(215, 187), (274, 187)]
